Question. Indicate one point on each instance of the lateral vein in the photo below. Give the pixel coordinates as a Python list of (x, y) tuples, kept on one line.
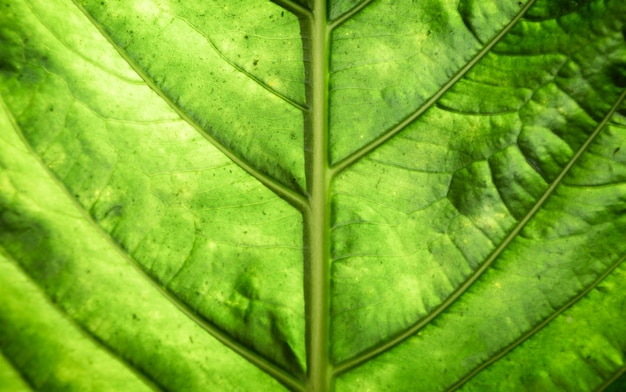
[(147, 379), (293, 7), (247, 74), (253, 357), (357, 360), (349, 14), (517, 342), (612, 379), (292, 197), (380, 140)]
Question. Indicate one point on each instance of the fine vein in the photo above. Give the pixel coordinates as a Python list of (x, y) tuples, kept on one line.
[(239, 69), (292, 197), (374, 144), (149, 382), (256, 359), (357, 360), (73, 50), (537, 327)]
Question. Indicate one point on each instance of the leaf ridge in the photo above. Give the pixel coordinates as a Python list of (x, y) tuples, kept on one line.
[(368, 354), (380, 140), (139, 373), (294, 198), (253, 357), (153, 384), (537, 327), (18, 371)]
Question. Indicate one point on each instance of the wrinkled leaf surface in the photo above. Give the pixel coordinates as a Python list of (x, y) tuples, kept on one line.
[(349, 195)]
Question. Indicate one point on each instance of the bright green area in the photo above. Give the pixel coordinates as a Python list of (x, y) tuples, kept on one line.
[(246, 196), (76, 315), (391, 57), (226, 62), (216, 238)]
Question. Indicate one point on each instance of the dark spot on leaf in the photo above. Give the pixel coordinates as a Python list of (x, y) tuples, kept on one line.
[(617, 73), (282, 13), (616, 150), (255, 62), (114, 211), (535, 165), (245, 36), (135, 317), (190, 339)]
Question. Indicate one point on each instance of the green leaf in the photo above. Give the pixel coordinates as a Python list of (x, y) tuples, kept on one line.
[(352, 195)]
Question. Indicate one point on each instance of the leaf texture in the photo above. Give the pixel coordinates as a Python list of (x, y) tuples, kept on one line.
[(312, 195)]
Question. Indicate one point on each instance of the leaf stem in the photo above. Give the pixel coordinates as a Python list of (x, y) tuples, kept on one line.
[(317, 218)]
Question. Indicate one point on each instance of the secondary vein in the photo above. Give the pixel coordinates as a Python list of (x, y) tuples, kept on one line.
[(139, 373), (294, 7), (611, 380), (357, 360), (380, 140), (349, 14), (251, 356), (292, 197), (536, 328), (241, 70)]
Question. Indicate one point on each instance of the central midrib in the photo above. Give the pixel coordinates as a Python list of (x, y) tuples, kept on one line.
[(317, 216)]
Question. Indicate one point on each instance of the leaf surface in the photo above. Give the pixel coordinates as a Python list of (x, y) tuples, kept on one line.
[(343, 195)]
